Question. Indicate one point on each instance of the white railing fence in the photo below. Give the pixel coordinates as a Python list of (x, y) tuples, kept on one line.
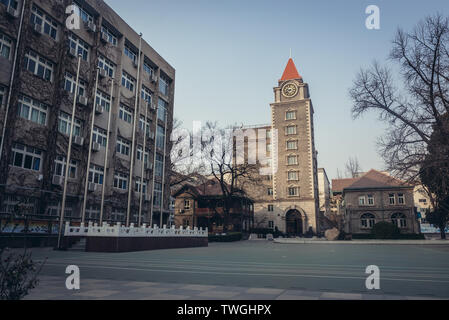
[(106, 230)]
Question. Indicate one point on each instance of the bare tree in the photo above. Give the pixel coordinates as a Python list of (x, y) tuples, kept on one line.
[(414, 107), (219, 146), (353, 167)]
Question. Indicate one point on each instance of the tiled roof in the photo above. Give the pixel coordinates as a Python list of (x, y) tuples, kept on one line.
[(339, 184), (376, 179), (290, 71)]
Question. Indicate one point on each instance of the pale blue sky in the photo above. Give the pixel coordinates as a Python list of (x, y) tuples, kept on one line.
[(229, 54)]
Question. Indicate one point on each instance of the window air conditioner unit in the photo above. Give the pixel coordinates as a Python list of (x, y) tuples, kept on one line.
[(149, 165), (135, 64), (151, 135), (11, 12), (82, 100), (72, 52), (78, 140), (104, 37), (96, 147), (103, 73), (57, 180), (92, 187), (154, 106), (147, 197), (99, 109), (37, 28), (153, 78), (91, 27)]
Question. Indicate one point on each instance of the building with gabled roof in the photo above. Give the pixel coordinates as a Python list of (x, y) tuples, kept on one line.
[(374, 197)]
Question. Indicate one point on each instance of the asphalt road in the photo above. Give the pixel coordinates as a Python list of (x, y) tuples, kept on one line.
[(404, 269)]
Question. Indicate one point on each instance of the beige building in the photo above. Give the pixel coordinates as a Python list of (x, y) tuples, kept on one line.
[(288, 198), (324, 192), (376, 197), (38, 92)]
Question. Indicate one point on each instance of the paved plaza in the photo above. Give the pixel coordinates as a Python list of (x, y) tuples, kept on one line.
[(248, 270)]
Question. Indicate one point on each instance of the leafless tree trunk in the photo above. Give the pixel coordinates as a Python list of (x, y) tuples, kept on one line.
[(353, 167)]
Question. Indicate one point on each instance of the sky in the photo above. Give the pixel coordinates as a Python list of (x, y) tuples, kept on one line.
[(229, 55)]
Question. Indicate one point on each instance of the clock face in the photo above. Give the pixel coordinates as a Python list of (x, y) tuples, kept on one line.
[(290, 90)]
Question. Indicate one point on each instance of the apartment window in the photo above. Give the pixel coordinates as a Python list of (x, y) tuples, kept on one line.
[(47, 24), (292, 160), (5, 46), (157, 199), (293, 175), (38, 65), (270, 224), (128, 81), (121, 181), (159, 166), (290, 115), (289, 130), (148, 69), (270, 191), (292, 145), (104, 100), (81, 47), (107, 65), (144, 125), (187, 204), (26, 157), (60, 166), (392, 199), (130, 54), (146, 94), (185, 223), (399, 220), (401, 198), (139, 154), (362, 201), (123, 146), (162, 109), (268, 136), (367, 221), (32, 110), (96, 174), (99, 136), (2, 96), (163, 85), (270, 208), (370, 199), (110, 36), (84, 15), (118, 215), (93, 212), (10, 3), (293, 191), (70, 84), (160, 141), (125, 114), (64, 122), (137, 186)]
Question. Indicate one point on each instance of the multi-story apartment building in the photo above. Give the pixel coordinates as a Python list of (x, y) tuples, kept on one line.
[(131, 104), (288, 199)]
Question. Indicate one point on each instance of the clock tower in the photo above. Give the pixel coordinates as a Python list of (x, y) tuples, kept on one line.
[(295, 179)]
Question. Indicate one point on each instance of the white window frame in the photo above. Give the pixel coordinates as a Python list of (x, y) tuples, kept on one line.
[(146, 94), (121, 181), (70, 81), (125, 114), (128, 81), (66, 120), (26, 152), (103, 100), (99, 136), (60, 165), (292, 132), (112, 39), (107, 65), (42, 19), (139, 154), (295, 145), (137, 186), (28, 108), (123, 146), (80, 46), (96, 174), (293, 194), (401, 198), (292, 157), (362, 200), (290, 178), (5, 46), (289, 113), (39, 63)]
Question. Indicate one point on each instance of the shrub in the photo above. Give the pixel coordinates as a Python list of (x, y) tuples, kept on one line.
[(18, 274), (385, 230), (229, 237)]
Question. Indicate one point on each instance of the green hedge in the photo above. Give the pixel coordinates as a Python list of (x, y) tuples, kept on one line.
[(230, 237), (408, 236)]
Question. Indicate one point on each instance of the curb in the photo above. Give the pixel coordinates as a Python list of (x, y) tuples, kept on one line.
[(366, 242)]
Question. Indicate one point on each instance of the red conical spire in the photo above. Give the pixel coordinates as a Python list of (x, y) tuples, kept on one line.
[(290, 71)]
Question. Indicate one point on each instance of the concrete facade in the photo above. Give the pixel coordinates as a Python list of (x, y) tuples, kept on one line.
[(35, 184)]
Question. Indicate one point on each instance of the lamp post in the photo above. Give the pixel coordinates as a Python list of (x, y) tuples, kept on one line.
[(69, 152)]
